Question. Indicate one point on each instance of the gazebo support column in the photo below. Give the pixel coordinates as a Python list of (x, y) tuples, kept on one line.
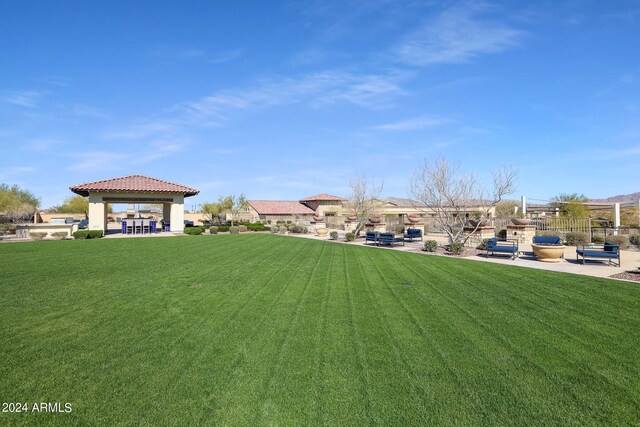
[(177, 214), (97, 213)]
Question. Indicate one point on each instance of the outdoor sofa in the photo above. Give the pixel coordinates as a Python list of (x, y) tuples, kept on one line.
[(371, 236), (547, 240), (502, 247), (413, 233), (389, 239), (606, 252)]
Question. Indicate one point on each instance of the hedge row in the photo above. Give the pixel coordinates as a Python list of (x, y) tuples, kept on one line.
[(88, 234)]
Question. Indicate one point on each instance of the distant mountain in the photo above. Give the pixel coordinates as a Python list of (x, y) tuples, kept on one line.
[(623, 198)]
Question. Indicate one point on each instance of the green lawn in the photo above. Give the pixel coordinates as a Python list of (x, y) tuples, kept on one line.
[(261, 329)]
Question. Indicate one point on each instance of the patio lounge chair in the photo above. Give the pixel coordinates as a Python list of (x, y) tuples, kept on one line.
[(389, 239), (413, 233), (371, 236), (608, 251), (507, 247)]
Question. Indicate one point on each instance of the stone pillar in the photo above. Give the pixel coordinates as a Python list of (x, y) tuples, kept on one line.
[(616, 218), (166, 212), (524, 205), (177, 214), (97, 213)]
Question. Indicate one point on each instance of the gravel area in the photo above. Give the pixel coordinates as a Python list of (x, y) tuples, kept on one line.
[(633, 275)]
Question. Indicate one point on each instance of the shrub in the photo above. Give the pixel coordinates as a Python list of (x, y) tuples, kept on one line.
[(483, 245), (333, 235), (397, 229), (87, 234), (268, 221), (350, 237), (242, 228), (634, 239), (234, 230), (213, 229), (282, 229), (288, 221), (455, 248), (278, 222), (275, 229), (8, 228), (502, 234), (194, 231), (257, 227), (36, 235), (597, 239), (223, 228), (297, 229), (59, 235), (622, 241), (430, 246), (576, 239)]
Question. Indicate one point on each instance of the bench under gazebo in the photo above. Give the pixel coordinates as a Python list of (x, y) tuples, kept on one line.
[(135, 189)]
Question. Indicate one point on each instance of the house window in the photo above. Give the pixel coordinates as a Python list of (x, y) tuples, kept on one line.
[(246, 209)]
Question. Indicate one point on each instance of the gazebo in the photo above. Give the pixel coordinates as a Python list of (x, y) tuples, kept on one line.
[(135, 189)]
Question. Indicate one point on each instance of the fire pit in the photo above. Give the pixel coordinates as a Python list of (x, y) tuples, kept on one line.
[(548, 253)]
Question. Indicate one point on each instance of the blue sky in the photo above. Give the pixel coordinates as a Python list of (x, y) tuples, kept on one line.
[(287, 99)]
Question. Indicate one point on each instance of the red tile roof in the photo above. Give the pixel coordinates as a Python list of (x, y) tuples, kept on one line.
[(134, 183), (280, 207), (323, 197)]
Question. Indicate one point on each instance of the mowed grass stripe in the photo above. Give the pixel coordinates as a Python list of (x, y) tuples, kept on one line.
[(261, 329)]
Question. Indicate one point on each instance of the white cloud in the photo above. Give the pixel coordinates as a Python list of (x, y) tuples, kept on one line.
[(96, 160), (10, 172), (222, 57), (413, 124), (141, 131), (25, 98), (329, 87), (457, 35)]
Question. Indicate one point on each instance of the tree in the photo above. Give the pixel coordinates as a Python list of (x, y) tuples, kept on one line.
[(363, 200), (17, 204), (73, 204), (441, 189), (507, 208), (571, 205), (235, 204), (214, 212)]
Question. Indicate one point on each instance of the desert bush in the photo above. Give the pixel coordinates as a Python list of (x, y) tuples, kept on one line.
[(576, 239), (194, 231), (87, 234), (223, 228), (36, 235), (234, 230), (242, 229), (622, 241), (275, 229), (59, 235), (257, 227), (483, 245), (8, 228), (296, 229), (350, 237), (597, 239), (288, 221), (268, 221), (278, 222), (213, 229), (430, 246), (282, 229), (397, 229), (333, 235), (455, 248), (502, 234), (634, 239)]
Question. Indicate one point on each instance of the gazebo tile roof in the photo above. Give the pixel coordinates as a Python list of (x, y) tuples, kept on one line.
[(133, 183)]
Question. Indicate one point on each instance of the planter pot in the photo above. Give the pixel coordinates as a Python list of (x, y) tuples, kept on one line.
[(479, 222), (413, 219), (322, 232), (318, 218), (548, 253), (352, 217), (520, 221), (375, 219)]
